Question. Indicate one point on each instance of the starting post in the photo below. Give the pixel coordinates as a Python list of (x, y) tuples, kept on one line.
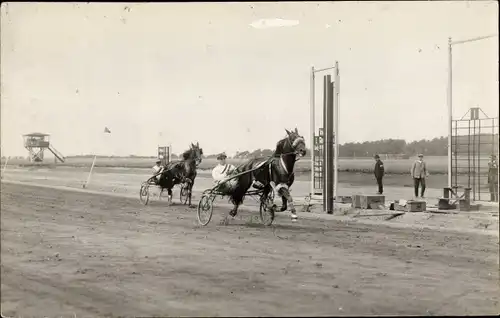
[(324, 154)]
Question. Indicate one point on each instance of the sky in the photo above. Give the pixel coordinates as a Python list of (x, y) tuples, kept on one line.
[(228, 76)]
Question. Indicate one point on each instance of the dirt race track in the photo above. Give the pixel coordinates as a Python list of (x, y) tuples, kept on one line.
[(66, 253)]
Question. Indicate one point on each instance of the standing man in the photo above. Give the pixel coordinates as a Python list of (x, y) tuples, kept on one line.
[(493, 178), (419, 172), (379, 173)]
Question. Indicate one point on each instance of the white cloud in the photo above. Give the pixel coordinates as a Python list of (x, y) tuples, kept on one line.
[(273, 23)]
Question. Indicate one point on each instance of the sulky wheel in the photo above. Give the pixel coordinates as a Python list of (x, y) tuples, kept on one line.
[(184, 195), (205, 209), (144, 193), (267, 209)]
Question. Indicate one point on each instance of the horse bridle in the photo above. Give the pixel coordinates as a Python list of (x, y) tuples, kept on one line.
[(293, 145), (197, 161)]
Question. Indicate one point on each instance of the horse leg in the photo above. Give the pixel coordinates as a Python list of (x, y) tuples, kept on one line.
[(265, 192), (283, 199), (284, 204), (286, 194), (169, 190), (234, 210), (265, 195), (190, 189)]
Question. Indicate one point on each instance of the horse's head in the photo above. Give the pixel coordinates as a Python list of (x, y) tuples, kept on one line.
[(296, 142), (196, 153)]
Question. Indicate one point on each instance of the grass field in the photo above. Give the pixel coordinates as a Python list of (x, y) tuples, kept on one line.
[(436, 165)]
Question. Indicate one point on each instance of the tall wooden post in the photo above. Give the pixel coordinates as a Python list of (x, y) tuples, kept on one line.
[(329, 147)]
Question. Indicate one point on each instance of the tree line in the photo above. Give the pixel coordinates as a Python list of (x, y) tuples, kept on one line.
[(434, 147)]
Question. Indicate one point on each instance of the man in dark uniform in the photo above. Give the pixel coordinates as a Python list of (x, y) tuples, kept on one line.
[(379, 173)]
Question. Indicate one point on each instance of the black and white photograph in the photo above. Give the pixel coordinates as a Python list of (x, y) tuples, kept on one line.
[(249, 159)]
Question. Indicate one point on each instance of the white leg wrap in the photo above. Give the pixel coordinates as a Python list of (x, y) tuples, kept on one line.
[(279, 187)]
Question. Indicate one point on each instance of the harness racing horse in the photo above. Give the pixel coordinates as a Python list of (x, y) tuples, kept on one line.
[(274, 173), (278, 152), (182, 171)]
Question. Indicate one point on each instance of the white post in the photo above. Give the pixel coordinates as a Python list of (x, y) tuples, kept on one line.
[(90, 173), (450, 110), (312, 130), (336, 112), (5, 166), (170, 153)]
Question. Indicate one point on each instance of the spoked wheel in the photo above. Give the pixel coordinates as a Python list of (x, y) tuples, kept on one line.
[(144, 193), (205, 209), (267, 209), (184, 193)]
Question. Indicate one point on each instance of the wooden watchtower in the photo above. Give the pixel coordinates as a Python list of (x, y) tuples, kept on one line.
[(36, 143)]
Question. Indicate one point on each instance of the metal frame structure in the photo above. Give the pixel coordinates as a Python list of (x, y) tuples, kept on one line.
[(318, 150), (450, 96), (164, 154), (474, 139), (324, 154)]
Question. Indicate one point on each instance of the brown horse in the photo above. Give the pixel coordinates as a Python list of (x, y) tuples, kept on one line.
[(272, 174), (182, 171)]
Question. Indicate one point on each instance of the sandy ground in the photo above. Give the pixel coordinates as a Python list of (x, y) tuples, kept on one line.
[(67, 253)]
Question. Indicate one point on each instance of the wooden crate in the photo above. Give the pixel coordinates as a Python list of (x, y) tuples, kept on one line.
[(360, 201), (356, 201), (466, 205), (411, 206)]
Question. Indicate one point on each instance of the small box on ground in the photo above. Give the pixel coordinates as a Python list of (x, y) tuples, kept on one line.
[(410, 206), (356, 201), (445, 204), (360, 201), (466, 205)]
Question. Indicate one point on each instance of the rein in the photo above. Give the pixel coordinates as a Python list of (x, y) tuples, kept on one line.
[(269, 159)]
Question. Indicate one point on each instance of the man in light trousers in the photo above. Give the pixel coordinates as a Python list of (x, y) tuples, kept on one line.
[(419, 173)]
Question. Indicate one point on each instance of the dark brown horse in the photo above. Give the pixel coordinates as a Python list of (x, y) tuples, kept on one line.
[(182, 171), (275, 173)]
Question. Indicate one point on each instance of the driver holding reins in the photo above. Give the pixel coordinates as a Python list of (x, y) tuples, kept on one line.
[(157, 170), (223, 169)]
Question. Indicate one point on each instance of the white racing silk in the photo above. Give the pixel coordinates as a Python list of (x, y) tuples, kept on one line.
[(157, 169), (220, 172)]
